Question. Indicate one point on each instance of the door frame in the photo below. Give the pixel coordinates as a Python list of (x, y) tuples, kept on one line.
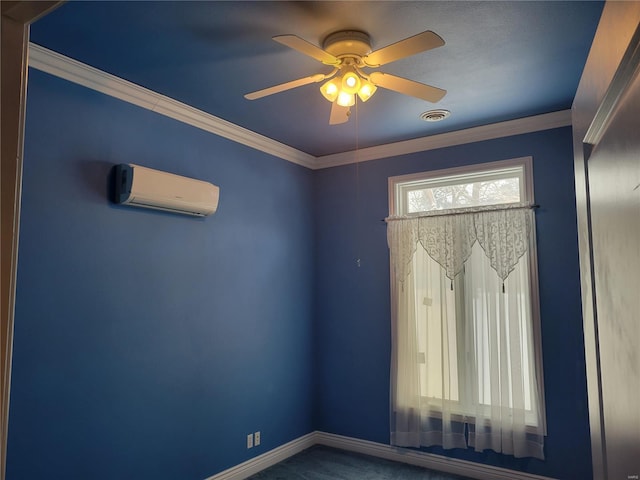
[(17, 16), (612, 64)]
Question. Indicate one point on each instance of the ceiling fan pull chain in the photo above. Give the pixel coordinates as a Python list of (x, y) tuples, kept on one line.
[(358, 207)]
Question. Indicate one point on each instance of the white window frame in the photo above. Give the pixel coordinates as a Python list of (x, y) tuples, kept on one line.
[(404, 183), (400, 185)]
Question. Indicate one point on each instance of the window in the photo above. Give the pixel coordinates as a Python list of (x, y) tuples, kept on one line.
[(492, 184), (467, 365)]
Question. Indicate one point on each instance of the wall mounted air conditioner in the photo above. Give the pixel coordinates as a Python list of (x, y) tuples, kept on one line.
[(144, 187)]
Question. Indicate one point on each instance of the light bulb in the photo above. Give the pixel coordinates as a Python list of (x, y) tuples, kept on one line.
[(351, 82), (346, 99), (366, 91), (331, 89)]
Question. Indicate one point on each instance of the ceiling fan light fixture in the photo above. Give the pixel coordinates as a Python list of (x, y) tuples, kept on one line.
[(346, 99), (366, 91), (348, 51), (351, 82), (331, 89)]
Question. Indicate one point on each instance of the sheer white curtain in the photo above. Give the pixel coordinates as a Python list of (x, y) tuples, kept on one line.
[(463, 366)]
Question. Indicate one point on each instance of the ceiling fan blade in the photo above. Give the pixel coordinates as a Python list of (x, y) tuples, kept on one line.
[(284, 86), (309, 49), (407, 87), (404, 48), (339, 114)]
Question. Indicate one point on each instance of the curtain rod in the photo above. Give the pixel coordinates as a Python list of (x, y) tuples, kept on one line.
[(441, 213)]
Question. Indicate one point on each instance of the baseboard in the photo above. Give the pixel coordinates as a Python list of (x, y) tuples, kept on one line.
[(426, 460), (423, 459), (257, 464)]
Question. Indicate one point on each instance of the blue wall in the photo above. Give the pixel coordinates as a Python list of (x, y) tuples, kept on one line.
[(148, 344), (353, 326)]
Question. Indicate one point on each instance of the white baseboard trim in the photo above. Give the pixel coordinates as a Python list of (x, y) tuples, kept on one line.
[(413, 457), (423, 459), (266, 460)]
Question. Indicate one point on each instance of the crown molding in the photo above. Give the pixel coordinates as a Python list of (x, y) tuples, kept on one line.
[(470, 135), (64, 67)]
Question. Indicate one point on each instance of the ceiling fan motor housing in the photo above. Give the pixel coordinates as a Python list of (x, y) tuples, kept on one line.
[(348, 43)]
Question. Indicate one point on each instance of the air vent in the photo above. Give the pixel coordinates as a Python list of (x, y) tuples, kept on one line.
[(435, 115)]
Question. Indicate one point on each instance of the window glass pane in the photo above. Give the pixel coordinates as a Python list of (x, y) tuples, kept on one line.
[(472, 194)]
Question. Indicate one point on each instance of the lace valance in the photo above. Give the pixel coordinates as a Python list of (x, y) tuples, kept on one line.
[(503, 234)]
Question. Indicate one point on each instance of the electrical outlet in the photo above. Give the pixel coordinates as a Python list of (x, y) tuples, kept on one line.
[(250, 440), (257, 438)]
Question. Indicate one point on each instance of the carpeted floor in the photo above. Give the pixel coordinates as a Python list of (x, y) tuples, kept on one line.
[(324, 463)]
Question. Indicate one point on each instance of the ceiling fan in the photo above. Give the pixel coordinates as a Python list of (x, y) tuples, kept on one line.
[(348, 52)]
